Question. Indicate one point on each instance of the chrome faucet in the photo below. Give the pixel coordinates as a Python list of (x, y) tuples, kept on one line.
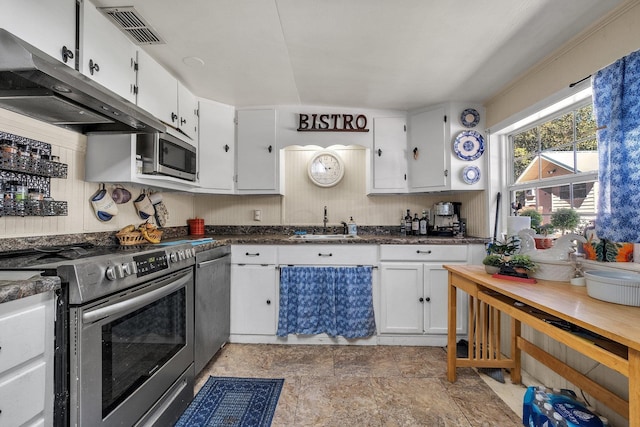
[(324, 221)]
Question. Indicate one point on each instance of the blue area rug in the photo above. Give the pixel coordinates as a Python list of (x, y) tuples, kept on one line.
[(241, 402)]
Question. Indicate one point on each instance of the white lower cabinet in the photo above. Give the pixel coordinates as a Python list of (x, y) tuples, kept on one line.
[(414, 300), (254, 290), (413, 291), (26, 360)]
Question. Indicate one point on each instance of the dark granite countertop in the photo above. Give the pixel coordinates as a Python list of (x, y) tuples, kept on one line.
[(15, 289)]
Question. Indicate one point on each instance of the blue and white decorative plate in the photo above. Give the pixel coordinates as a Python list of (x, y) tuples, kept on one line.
[(469, 145), (470, 118), (471, 174)]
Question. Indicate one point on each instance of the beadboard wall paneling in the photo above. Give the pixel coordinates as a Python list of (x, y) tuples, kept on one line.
[(71, 147), (303, 202)]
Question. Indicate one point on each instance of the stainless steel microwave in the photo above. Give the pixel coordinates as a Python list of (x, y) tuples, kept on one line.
[(164, 154)]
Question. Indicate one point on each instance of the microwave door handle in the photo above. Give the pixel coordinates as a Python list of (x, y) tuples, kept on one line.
[(136, 302)]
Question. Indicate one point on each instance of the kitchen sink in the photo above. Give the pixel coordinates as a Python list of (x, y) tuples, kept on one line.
[(305, 237)]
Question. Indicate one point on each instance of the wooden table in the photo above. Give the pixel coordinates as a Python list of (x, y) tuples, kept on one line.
[(557, 309)]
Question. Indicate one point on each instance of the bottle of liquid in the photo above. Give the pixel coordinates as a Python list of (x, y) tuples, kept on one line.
[(424, 222), (415, 225), (352, 227), (407, 221), (403, 226)]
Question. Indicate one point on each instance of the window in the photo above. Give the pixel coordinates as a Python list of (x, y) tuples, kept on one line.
[(554, 163)]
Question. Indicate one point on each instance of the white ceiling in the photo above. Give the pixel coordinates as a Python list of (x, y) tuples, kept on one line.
[(385, 54)]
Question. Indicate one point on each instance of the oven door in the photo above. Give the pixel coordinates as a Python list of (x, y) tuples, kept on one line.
[(129, 349)]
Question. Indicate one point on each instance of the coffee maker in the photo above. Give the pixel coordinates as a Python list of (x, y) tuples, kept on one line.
[(446, 219)]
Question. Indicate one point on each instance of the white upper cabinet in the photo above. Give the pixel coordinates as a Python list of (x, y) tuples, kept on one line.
[(445, 152), (187, 112), (216, 148), (389, 156), (428, 166), (257, 153), (106, 54), (157, 90), (48, 25), (166, 98)]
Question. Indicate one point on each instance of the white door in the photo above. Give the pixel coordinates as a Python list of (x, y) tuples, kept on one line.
[(401, 311), (216, 146), (256, 150), (426, 151), (389, 154), (157, 90), (188, 113), (253, 299), (106, 54), (47, 25), (436, 303)]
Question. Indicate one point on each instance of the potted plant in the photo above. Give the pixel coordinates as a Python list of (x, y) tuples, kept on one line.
[(522, 263), (536, 218), (492, 263), (565, 219)]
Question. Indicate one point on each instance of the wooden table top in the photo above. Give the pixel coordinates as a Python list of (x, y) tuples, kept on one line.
[(618, 322)]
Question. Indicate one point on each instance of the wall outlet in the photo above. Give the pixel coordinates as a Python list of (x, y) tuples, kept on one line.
[(257, 215)]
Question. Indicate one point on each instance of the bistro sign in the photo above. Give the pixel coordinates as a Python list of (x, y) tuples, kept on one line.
[(332, 123)]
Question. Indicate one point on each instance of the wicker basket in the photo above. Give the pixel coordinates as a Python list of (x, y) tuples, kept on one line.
[(560, 271), (136, 238)]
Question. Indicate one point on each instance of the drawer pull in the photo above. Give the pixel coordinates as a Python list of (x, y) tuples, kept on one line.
[(321, 254), (423, 252), (256, 254)]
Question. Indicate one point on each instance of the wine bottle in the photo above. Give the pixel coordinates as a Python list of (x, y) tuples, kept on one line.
[(407, 221), (423, 223), (415, 225)]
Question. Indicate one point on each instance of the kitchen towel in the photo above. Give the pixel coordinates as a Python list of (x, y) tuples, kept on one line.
[(331, 300)]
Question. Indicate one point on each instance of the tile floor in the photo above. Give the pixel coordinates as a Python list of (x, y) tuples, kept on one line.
[(370, 386)]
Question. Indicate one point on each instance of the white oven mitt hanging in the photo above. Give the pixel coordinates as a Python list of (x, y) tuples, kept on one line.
[(144, 206), (103, 205)]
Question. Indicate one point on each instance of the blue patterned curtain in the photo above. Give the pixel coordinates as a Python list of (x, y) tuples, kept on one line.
[(331, 300), (616, 101)]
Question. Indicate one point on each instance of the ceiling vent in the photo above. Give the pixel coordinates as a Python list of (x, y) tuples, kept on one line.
[(129, 20)]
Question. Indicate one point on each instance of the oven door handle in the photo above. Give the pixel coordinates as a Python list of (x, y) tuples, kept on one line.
[(136, 302)]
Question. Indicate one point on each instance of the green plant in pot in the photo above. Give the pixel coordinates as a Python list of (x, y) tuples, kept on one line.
[(522, 263), (536, 219), (565, 219), (492, 263)]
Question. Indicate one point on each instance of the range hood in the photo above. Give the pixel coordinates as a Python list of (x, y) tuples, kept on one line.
[(36, 85)]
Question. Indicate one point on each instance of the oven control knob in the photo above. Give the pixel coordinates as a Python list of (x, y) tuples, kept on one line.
[(130, 268), (181, 255), (173, 256), (115, 272)]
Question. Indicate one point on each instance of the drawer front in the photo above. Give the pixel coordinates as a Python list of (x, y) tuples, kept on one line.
[(254, 254), (426, 253), (22, 336), (22, 395), (328, 254)]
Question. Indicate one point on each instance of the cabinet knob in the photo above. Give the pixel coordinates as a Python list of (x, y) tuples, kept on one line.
[(182, 120), (226, 148), (379, 152), (268, 302), (174, 117), (415, 153), (428, 299), (270, 148), (421, 299), (93, 66), (66, 54)]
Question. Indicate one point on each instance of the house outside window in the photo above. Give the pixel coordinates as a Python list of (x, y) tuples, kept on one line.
[(554, 163)]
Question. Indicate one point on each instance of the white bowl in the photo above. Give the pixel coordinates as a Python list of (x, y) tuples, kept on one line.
[(614, 286), (560, 271)]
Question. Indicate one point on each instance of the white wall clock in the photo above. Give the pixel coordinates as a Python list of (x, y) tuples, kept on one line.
[(325, 168)]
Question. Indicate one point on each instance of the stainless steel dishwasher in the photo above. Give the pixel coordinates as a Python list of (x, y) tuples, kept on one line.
[(212, 306)]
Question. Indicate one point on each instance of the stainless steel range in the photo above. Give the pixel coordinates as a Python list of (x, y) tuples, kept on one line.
[(129, 316)]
